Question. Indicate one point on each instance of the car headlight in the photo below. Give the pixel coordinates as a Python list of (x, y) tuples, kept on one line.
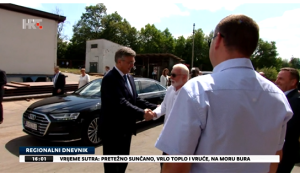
[(65, 116)]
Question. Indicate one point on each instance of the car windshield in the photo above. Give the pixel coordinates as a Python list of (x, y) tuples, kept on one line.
[(90, 90)]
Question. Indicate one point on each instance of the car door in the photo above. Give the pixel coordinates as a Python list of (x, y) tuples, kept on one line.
[(151, 91)]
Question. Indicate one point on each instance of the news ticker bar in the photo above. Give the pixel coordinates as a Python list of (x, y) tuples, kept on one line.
[(153, 158)]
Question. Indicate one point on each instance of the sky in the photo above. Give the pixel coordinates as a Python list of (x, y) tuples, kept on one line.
[(278, 21)]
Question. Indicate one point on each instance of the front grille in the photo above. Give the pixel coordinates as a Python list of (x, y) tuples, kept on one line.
[(41, 120)]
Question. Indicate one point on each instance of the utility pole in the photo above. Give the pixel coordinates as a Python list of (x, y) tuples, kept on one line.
[(193, 46)]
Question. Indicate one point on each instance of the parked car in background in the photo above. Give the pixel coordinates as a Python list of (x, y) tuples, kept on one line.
[(75, 116)]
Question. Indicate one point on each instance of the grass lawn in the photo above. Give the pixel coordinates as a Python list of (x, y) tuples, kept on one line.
[(70, 70)]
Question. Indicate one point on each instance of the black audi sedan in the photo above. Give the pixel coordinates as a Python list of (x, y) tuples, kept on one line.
[(75, 116)]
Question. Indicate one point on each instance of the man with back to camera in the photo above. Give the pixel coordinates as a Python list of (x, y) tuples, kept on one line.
[(218, 114), (287, 80), (179, 76), (121, 107), (3, 82)]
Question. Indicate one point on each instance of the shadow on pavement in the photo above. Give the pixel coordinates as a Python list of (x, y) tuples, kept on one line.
[(13, 145), (145, 125)]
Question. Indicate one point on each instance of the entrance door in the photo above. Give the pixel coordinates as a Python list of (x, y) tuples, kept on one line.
[(93, 67)]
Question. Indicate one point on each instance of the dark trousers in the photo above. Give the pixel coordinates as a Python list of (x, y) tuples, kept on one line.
[(161, 164), (54, 92), (286, 165), (113, 145)]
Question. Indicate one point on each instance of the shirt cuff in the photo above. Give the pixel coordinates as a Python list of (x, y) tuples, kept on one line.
[(157, 114)]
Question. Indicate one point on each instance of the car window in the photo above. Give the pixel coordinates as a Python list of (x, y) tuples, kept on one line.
[(137, 86), (148, 86), (92, 89), (161, 88)]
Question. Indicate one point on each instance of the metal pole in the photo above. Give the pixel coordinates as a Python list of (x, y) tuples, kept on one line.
[(193, 46)]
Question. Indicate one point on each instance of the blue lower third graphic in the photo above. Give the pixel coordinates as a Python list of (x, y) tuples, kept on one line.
[(56, 150)]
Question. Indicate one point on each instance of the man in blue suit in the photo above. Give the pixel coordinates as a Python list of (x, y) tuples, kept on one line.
[(59, 82), (287, 80), (120, 108)]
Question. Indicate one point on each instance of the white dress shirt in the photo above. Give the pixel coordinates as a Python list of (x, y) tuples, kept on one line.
[(233, 111), (163, 80), (83, 80), (122, 74), (167, 104), (55, 78)]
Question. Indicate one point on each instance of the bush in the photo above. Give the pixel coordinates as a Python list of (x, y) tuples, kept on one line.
[(270, 72)]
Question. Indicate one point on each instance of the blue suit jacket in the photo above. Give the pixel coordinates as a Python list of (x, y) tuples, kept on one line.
[(120, 109)]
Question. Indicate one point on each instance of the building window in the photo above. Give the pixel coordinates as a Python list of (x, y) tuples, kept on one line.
[(94, 46)]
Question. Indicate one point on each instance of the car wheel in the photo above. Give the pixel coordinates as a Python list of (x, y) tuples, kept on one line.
[(90, 132)]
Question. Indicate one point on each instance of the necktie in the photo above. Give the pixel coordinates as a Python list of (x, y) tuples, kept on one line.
[(125, 78)]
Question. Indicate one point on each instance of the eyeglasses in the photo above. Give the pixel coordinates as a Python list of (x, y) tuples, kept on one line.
[(129, 62), (174, 75), (209, 41)]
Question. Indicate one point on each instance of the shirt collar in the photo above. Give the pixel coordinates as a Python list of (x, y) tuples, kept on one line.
[(122, 74), (287, 92), (173, 88), (232, 63)]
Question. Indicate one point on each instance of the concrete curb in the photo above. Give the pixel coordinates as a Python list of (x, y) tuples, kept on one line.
[(25, 97)]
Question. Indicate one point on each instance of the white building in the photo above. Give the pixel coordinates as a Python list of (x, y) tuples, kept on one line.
[(100, 53), (26, 52)]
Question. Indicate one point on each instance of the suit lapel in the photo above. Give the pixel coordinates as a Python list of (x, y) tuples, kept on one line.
[(122, 83), (131, 81), (290, 95), (55, 79)]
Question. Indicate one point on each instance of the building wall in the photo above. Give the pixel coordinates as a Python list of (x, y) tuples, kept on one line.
[(104, 54), (93, 54), (27, 51)]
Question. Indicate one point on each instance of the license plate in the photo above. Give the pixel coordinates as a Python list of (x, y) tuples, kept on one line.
[(31, 125)]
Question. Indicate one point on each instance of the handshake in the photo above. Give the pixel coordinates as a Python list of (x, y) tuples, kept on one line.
[(149, 114)]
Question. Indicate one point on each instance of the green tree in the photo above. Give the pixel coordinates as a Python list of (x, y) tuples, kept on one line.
[(87, 28), (168, 42), (150, 39), (118, 30), (90, 25), (265, 55), (270, 72), (61, 38), (201, 50), (285, 63), (295, 63), (180, 47)]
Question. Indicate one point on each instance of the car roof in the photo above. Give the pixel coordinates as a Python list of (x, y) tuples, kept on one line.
[(138, 78)]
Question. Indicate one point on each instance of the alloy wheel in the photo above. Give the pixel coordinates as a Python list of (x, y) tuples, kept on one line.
[(92, 131)]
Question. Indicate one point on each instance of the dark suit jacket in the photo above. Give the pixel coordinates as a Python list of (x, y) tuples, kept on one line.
[(60, 83), (291, 144), (3, 81), (120, 109)]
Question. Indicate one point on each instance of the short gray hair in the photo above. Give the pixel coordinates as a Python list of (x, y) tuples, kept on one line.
[(184, 69), (123, 52), (56, 67)]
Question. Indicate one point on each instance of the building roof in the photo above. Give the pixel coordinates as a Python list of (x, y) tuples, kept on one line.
[(159, 55), (34, 12), (102, 39)]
